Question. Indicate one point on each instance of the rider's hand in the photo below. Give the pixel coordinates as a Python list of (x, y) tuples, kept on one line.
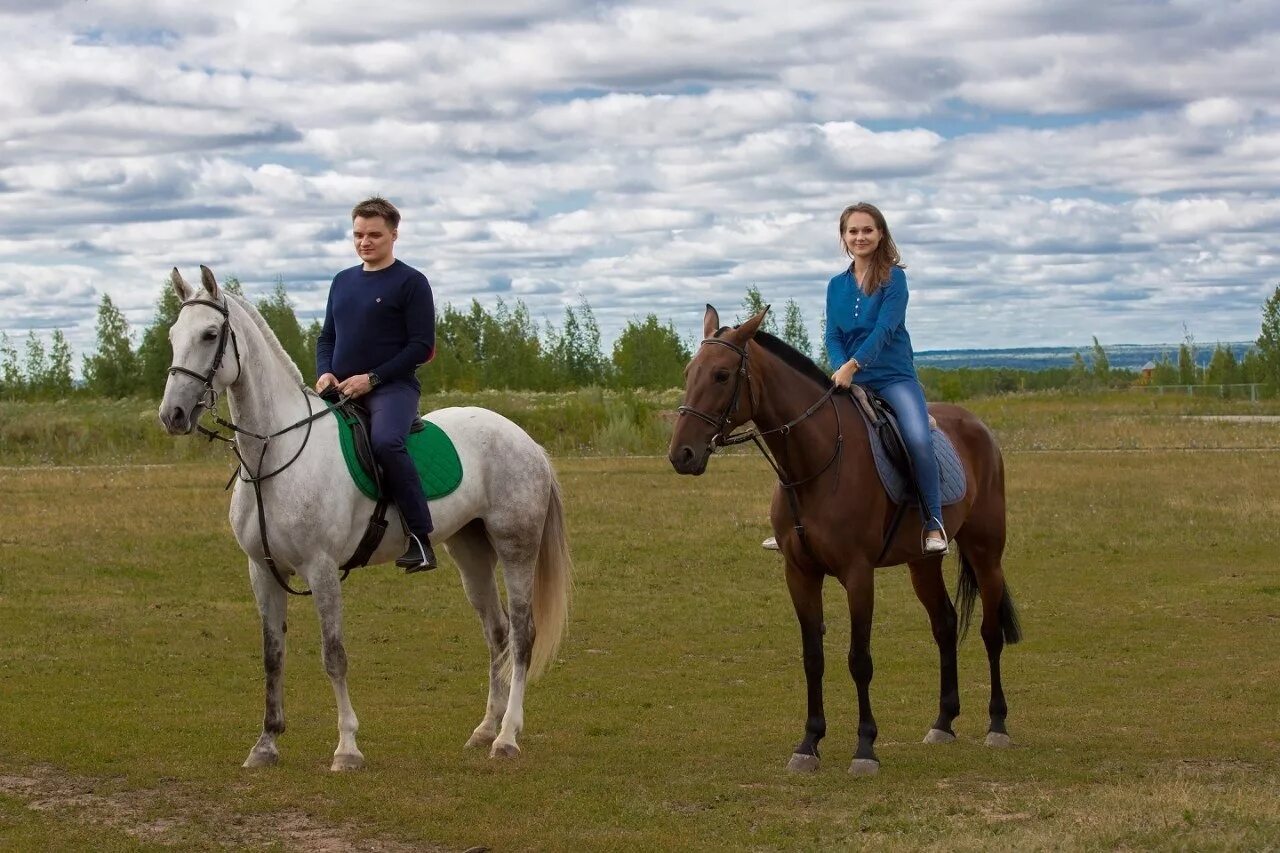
[(325, 381), (356, 386), (844, 375)]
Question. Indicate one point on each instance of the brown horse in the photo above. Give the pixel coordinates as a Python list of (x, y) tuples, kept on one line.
[(831, 515)]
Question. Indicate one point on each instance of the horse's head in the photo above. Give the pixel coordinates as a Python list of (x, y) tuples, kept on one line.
[(201, 337), (717, 392)]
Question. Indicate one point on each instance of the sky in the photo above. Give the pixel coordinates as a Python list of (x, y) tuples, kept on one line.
[(1049, 171)]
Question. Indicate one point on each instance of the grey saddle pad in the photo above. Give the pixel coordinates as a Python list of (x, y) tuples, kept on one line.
[(896, 484)]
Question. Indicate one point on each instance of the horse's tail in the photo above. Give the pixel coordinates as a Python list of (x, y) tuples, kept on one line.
[(967, 593), (552, 585)]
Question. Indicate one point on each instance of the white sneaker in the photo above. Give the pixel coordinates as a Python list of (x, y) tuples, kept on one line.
[(935, 545), (770, 544)]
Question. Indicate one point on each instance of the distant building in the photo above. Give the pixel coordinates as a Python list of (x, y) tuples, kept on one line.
[(1146, 372)]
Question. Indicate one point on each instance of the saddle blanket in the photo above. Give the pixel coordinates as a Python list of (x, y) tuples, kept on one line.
[(950, 469), (432, 451)]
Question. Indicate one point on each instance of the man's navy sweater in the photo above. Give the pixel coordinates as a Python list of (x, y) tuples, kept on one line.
[(381, 322)]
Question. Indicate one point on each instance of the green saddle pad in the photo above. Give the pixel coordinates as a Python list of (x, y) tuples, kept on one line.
[(433, 454)]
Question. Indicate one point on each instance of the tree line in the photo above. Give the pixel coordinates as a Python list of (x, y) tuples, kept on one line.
[(505, 348), (476, 348)]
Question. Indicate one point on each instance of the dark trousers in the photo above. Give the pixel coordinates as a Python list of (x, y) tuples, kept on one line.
[(392, 410), (907, 399)]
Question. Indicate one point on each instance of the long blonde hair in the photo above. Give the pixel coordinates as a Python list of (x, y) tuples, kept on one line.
[(885, 257)]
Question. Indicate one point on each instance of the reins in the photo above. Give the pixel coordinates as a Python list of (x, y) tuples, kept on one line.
[(208, 402), (755, 435)]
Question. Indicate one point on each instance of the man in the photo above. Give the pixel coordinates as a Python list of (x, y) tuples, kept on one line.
[(379, 326)]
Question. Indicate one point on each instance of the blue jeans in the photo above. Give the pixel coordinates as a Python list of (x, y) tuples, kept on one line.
[(907, 399), (392, 410)]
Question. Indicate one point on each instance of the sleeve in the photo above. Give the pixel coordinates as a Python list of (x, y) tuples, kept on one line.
[(324, 343), (420, 328), (836, 353), (893, 313)]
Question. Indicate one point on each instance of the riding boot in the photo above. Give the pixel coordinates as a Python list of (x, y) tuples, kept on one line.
[(418, 557)]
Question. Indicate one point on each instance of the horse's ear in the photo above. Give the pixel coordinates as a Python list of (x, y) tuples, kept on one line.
[(180, 287), (748, 329), (210, 283), (710, 321)]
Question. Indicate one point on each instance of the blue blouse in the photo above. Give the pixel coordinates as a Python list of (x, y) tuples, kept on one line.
[(871, 329)]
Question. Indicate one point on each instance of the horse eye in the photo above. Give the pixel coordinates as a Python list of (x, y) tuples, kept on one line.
[(722, 376), (209, 335)]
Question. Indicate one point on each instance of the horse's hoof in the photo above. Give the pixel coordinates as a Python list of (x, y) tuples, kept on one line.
[(261, 758), (939, 736), (479, 739), (345, 762), (864, 767), (504, 750), (801, 763), (998, 740)]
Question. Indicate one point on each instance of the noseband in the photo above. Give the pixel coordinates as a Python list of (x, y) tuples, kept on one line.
[(209, 396)]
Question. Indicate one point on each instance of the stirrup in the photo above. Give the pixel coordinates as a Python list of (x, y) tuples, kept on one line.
[(932, 545)]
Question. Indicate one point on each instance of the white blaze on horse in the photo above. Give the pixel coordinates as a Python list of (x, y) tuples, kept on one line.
[(506, 509)]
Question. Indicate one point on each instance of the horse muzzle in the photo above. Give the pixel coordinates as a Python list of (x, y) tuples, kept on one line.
[(179, 421), (686, 460)]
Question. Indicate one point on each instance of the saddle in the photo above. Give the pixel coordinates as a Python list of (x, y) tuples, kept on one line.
[(356, 418), (893, 463), (424, 442)]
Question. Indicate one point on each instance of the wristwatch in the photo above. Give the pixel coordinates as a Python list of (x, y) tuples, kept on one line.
[(374, 380)]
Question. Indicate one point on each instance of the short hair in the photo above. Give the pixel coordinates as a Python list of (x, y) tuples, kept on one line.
[(377, 206)]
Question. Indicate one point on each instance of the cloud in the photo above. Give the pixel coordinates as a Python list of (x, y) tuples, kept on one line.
[(1048, 173)]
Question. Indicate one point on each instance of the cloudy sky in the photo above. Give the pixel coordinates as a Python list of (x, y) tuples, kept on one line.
[(1050, 171)]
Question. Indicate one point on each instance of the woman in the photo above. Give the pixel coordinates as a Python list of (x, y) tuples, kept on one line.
[(867, 340)]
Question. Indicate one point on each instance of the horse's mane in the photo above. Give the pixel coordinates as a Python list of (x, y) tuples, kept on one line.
[(790, 356), (272, 341)]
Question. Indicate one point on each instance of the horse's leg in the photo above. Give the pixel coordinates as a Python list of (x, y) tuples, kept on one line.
[(926, 579), (980, 557), (806, 597), (519, 554), (476, 559), (271, 607), (860, 586), (327, 594)]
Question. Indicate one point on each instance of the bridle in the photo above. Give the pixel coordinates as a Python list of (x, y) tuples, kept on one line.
[(720, 439), (209, 396), (208, 403)]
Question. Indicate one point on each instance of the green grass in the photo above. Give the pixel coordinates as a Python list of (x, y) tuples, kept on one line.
[(1143, 699), (78, 430), (597, 422)]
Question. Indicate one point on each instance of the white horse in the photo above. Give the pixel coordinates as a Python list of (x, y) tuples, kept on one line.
[(507, 508)]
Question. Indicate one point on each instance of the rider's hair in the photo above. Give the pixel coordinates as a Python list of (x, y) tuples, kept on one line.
[(885, 257), (377, 206)]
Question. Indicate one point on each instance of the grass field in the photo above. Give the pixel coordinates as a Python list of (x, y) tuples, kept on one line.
[(1143, 701)]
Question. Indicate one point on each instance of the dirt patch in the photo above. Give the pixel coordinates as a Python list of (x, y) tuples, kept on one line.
[(171, 817)]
